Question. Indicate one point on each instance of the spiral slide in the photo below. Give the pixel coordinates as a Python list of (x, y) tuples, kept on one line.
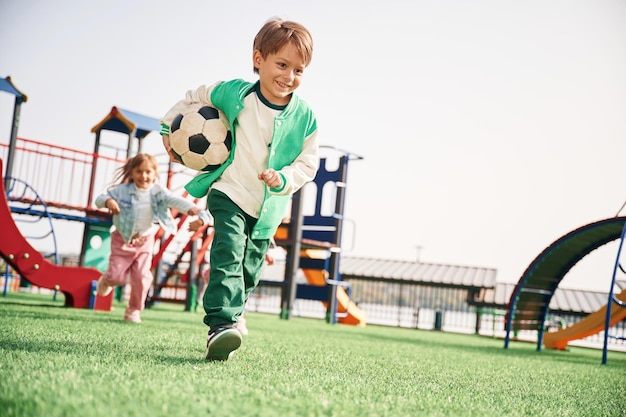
[(592, 324), (74, 282)]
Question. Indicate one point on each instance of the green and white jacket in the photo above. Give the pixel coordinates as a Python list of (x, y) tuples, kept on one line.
[(264, 136)]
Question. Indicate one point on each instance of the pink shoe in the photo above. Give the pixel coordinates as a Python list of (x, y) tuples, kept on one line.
[(132, 316), (103, 289)]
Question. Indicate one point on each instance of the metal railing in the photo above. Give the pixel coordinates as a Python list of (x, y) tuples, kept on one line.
[(423, 307)]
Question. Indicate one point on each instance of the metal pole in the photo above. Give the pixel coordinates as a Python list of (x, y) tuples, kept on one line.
[(130, 144), (609, 304), (92, 185), (139, 143), (12, 140), (292, 263), (192, 274), (336, 257)]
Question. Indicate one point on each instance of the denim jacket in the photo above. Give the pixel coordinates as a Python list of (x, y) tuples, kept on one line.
[(161, 200)]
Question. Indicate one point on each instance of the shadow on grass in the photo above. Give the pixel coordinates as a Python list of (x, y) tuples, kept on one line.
[(39, 346), (185, 361), (56, 313), (29, 304)]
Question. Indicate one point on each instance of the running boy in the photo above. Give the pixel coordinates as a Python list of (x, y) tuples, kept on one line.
[(275, 152)]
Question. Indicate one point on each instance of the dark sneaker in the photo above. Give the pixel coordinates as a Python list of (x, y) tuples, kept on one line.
[(221, 343)]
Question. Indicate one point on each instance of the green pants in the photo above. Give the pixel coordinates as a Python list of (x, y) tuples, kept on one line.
[(236, 261)]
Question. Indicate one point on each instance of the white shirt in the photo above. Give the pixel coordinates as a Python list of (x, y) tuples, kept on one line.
[(144, 224), (256, 121)]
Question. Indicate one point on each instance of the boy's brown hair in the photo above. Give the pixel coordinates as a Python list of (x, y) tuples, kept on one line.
[(276, 33)]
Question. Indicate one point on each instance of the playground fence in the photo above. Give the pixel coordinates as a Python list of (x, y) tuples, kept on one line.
[(422, 307), (412, 307), (61, 175)]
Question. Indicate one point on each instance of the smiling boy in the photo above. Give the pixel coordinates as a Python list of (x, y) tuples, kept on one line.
[(275, 152)]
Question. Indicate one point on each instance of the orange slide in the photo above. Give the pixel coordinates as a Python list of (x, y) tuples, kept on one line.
[(592, 324), (355, 315), (74, 282)]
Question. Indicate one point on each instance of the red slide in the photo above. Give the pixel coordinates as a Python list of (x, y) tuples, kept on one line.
[(74, 282)]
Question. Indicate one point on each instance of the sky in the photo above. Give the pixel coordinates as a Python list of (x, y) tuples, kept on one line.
[(488, 129)]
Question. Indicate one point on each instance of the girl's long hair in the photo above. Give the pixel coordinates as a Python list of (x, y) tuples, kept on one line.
[(123, 174)]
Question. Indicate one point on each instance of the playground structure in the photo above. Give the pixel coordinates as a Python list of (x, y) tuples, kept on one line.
[(64, 175), (313, 243), (592, 324), (74, 282), (312, 238), (528, 305)]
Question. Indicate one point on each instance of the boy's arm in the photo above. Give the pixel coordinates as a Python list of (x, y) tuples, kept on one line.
[(201, 94), (165, 136), (302, 170)]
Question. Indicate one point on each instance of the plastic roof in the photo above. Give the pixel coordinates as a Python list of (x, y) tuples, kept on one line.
[(564, 301), (126, 121), (6, 84), (442, 275)]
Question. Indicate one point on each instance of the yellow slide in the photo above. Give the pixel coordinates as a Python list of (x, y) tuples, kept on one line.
[(355, 315), (592, 324)]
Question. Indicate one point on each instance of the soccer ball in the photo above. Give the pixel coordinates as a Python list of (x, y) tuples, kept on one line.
[(200, 138)]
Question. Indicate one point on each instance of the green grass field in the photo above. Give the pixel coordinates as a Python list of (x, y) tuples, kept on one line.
[(67, 362)]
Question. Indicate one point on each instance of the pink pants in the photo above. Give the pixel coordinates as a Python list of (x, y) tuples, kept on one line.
[(132, 262)]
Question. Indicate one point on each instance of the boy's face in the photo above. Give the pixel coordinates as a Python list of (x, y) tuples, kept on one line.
[(143, 175), (279, 74)]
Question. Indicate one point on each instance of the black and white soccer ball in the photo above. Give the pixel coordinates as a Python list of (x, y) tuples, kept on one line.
[(200, 138)]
